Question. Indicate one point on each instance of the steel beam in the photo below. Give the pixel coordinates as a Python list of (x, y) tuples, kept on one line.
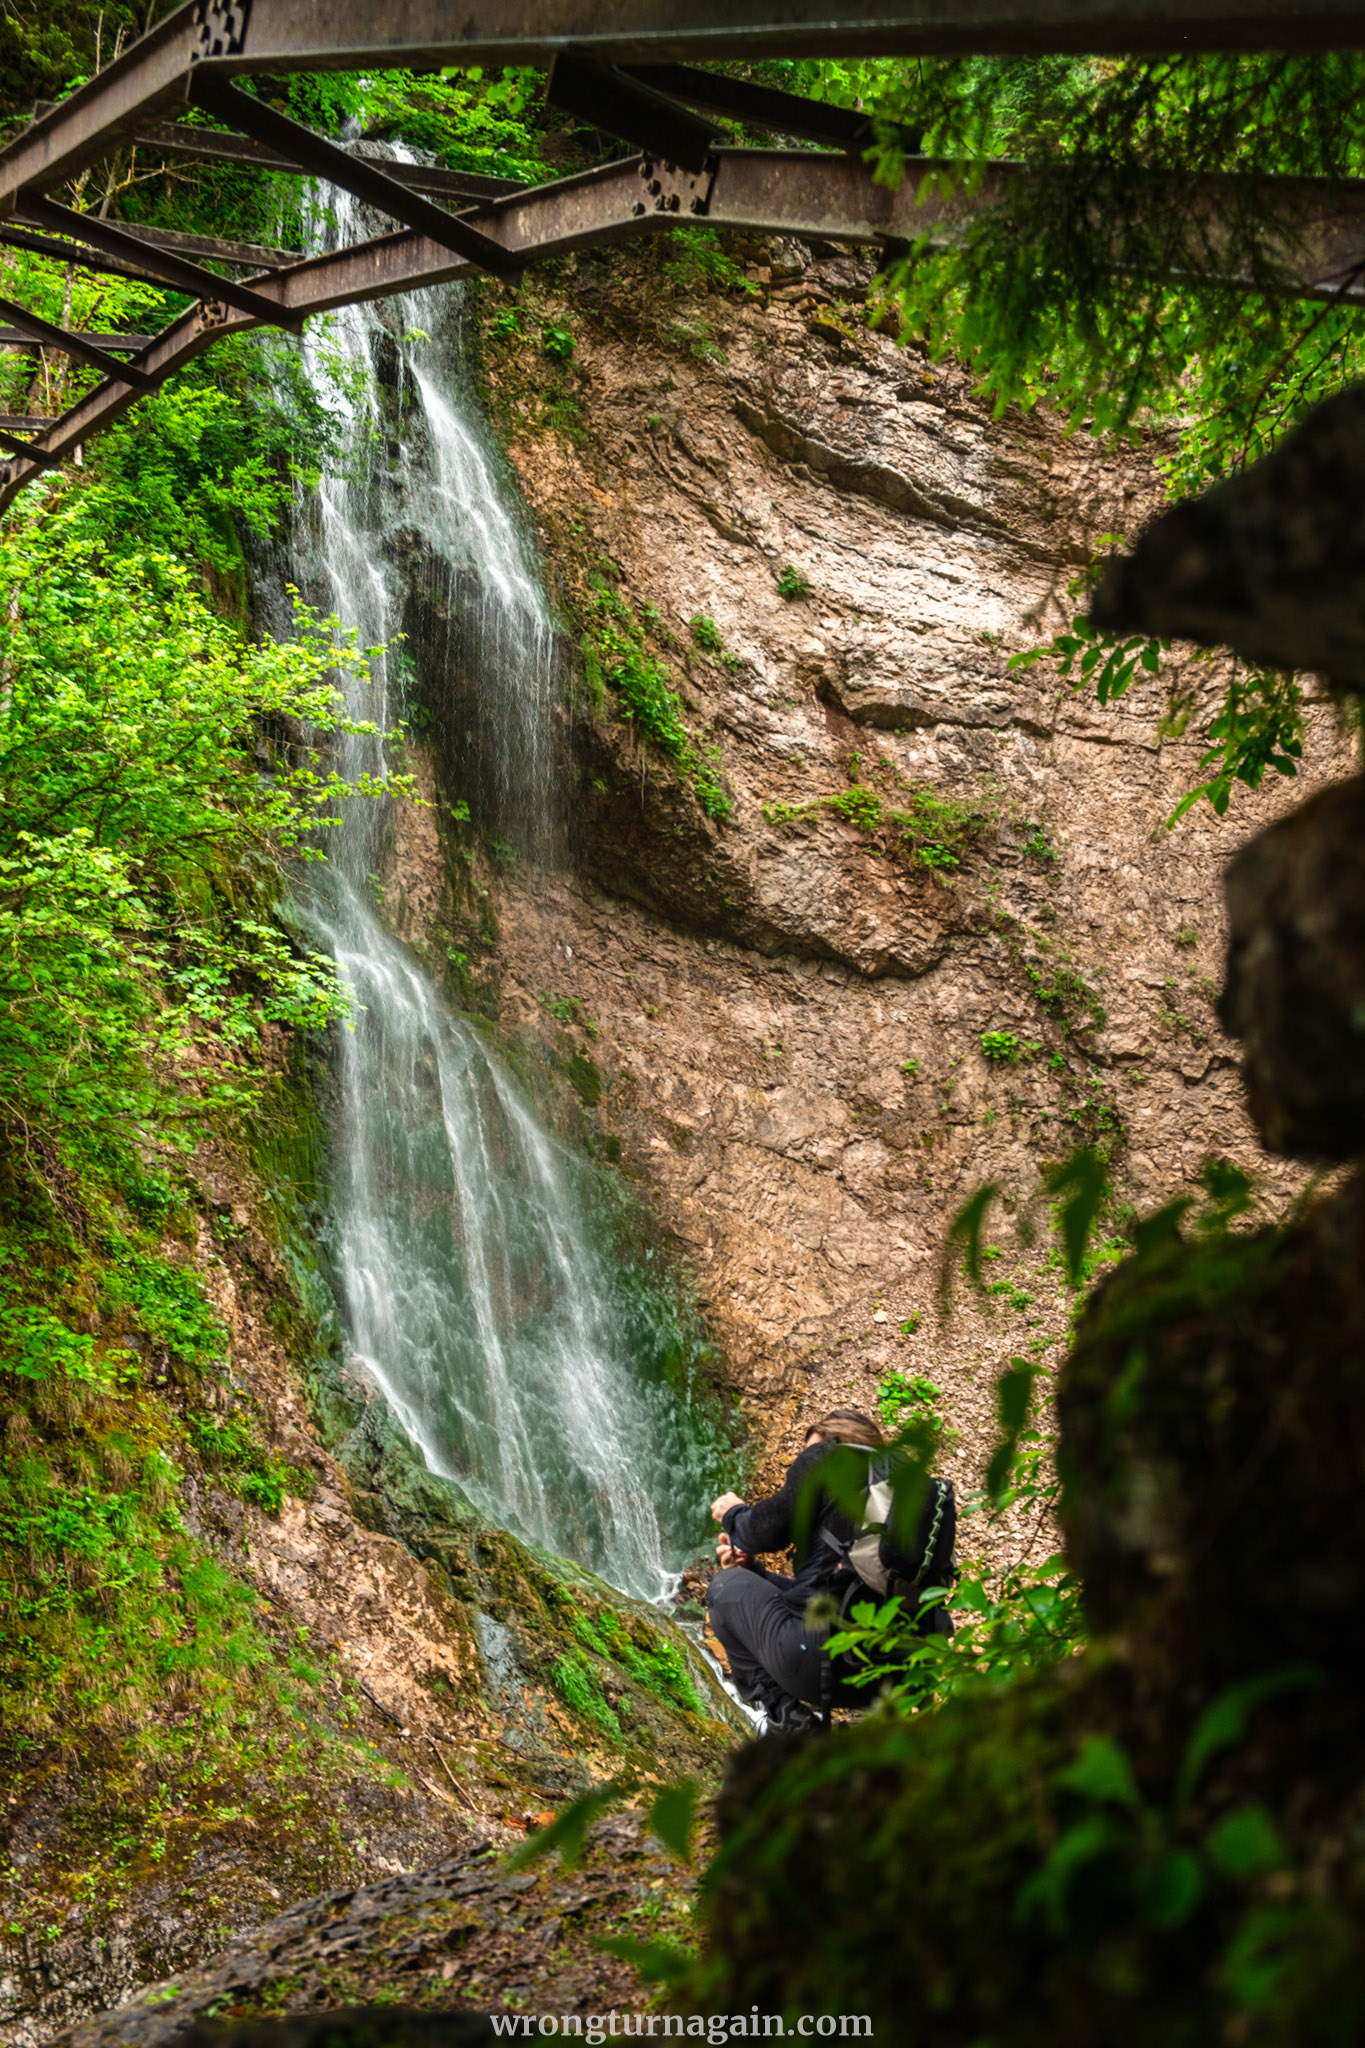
[(215, 146), (211, 248), (282, 35), (14, 337), (611, 99), (153, 75), (173, 272), (828, 196), (359, 175), (781, 113), (77, 346), (219, 146), (74, 253), (30, 453)]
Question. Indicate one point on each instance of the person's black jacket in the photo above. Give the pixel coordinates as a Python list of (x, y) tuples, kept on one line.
[(769, 1525)]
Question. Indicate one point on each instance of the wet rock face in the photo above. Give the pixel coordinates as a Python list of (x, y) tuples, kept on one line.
[(787, 1014), (1295, 993)]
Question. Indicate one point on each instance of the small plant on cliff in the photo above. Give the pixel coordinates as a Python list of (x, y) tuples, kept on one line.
[(1005, 1048), (706, 633), (927, 830), (901, 1395), (1063, 991), (230, 1448), (791, 584), (557, 342), (618, 652)]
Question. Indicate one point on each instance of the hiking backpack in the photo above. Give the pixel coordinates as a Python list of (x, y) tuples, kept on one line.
[(879, 1560)]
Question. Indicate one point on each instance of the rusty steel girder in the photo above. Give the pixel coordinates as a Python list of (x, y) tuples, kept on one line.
[(826, 197), (153, 77)]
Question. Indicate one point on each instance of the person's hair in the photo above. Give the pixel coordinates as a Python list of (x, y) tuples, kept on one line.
[(847, 1426)]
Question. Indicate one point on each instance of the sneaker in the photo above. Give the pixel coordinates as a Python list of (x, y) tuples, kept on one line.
[(783, 1715)]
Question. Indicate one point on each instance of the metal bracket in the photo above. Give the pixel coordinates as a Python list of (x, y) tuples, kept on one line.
[(668, 188), (213, 313), (219, 29)]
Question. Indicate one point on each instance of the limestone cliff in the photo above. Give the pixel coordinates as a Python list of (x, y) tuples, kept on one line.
[(788, 1004)]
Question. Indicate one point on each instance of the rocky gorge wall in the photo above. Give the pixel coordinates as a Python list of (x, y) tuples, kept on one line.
[(783, 1008), (757, 980)]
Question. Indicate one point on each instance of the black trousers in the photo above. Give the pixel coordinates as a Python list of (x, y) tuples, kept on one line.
[(764, 1640)]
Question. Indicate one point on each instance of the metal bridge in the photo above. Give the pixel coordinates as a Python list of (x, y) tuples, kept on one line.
[(626, 67)]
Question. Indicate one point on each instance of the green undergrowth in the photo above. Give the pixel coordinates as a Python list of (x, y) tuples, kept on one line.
[(620, 649), (913, 824), (623, 1674), (142, 1678), (114, 1394)]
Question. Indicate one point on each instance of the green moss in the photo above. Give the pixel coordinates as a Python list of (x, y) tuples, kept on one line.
[(662, 1669), (922, 827), (580, 1688), (585, 1077)]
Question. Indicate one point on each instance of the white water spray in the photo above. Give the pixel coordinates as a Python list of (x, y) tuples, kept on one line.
[(477, 1288)]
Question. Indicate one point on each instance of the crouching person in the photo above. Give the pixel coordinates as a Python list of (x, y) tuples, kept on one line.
[(759, 1615)]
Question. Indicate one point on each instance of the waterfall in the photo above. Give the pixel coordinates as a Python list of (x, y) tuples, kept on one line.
[(479, 1283)]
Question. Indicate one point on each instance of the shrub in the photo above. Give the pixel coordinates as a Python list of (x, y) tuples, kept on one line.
[(1004, 1048), (791, 584), (557, 342)]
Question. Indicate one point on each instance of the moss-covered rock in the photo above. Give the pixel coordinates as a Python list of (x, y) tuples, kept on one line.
[(1163, 1841)]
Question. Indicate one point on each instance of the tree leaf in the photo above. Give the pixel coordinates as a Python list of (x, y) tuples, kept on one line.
[(1246, 1842), (965, 1232), (1169, 1892), (1101, 1772), (671, 1817), (568, 1831), (1224, 1722)]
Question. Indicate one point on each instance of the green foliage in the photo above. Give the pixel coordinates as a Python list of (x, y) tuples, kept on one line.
[(1099, 282), (165, 1302), (706, 633), (619, 651), (474, 117), (925, 829), (108, 1608), (695, 259), (1259, 726), (1063, 991), (901, 1393), (1108, 662), (132, 941), (1005, 1048), (670, 1814), (568, 1010), (792, 584), (557, 342), (229, 1447)]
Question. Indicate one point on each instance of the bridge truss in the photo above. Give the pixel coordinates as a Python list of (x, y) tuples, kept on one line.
[(627, 67)]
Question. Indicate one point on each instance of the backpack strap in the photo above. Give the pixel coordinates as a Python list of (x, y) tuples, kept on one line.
[(943, 1493)]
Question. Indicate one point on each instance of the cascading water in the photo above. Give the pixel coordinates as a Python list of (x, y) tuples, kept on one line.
[(479, 1284)]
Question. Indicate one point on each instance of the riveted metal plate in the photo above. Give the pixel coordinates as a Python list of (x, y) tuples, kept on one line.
[(668, 188), (219, 29)]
